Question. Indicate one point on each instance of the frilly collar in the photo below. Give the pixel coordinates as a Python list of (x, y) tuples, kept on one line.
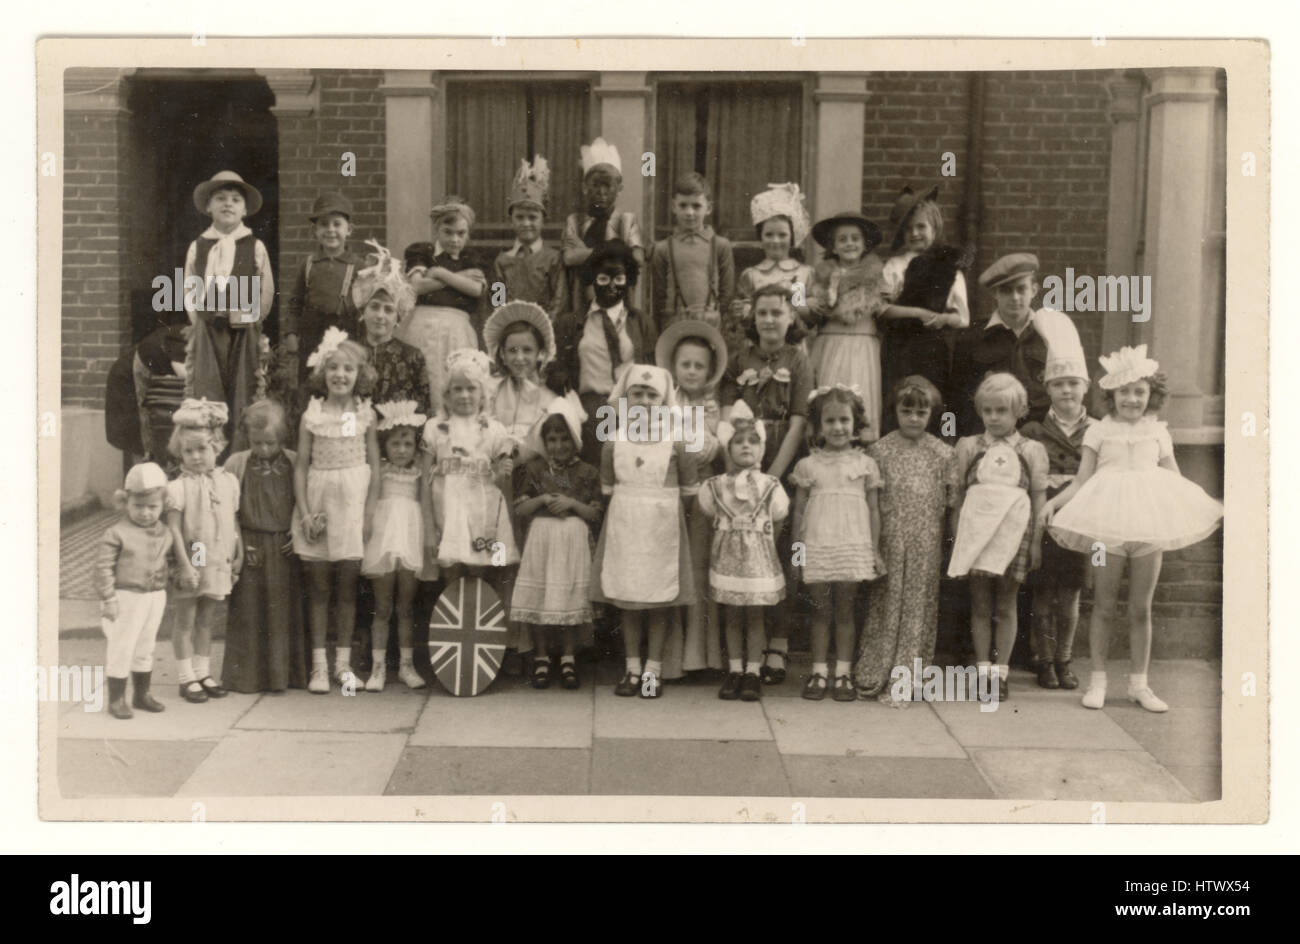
[(331, 426)]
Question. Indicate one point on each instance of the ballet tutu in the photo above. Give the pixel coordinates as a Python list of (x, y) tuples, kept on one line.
[(554, 583), (395, 538), (1133, 512)]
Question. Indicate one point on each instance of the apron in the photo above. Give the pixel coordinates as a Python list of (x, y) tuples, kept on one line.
[(643, 513), (994, 515)]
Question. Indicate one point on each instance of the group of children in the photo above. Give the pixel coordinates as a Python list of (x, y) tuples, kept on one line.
[(435, 445)]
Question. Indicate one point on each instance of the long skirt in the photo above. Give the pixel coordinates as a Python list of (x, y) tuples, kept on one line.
[(266, 639)]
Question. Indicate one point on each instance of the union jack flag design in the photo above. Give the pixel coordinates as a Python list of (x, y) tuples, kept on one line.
[(467, 636)]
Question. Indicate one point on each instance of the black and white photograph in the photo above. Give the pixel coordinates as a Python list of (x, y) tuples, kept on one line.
[(825, 430)]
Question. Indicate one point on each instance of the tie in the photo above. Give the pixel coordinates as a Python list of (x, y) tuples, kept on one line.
[(611, 341), (525, 251)]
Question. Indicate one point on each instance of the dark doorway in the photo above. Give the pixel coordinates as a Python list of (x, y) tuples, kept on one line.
[(184, 128)]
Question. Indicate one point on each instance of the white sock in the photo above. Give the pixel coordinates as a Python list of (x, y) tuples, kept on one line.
[(1004, 671), (734, 665), (185, 671), (1097, 680), (819, 668), (202, 666), (842, 667), (318, 659), (633, 666), (342, 657), (1137, 681), (751, 668), (568, 660), (377, 659), (780, 647), (407, 655), (654, 667)]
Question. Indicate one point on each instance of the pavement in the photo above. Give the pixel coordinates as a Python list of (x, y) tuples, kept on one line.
[(514, 740)]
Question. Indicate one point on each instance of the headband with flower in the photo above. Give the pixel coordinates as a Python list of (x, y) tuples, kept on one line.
[(328, 345), (397, 413), (1126, 366), (201, 414), (382, 273), (852, 389)]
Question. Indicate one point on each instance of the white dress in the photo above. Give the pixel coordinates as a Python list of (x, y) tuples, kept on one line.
[(471, 513), (1131, 504), (338, 478), (396, 533)]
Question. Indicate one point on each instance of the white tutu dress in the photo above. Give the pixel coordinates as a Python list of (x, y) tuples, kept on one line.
[(338, 478), (1130, 504), (396, 533)]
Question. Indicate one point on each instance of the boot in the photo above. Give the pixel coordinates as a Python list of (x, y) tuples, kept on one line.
[(1066, 678), (117, 705), (141, 698), (1047, 677)]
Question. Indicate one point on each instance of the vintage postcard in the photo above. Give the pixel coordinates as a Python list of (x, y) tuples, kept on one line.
[(703, 431)]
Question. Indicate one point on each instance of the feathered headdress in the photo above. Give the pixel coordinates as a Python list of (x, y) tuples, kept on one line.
[(531, 183), (328, 345), (382, 273), (599, 152), (1127, 365), (399, 413), (782, 200)]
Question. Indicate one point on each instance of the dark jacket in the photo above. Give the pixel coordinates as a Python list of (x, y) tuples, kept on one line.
[(563, 373)]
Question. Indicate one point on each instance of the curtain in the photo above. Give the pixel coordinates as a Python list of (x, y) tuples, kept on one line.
[(674, 148), (559, 122), (487, 135), (755, 138)]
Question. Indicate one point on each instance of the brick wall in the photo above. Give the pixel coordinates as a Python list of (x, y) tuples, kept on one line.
[(350, 119), (94, 288), (1044, 178)]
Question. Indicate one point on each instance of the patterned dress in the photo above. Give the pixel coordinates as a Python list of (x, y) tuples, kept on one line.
[(919, 486), (840, 547), (744, 569)]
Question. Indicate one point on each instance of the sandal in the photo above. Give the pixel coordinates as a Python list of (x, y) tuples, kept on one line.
[(568, 676), (769, 675), (541, 673)]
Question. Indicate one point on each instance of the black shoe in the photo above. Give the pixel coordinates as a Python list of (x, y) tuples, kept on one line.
[(211, 688), (629, 686), (541, 673), (1047, 676), (815, 688), (730, 690), (751, 687), (117, 706), (141, 698), (568, 676), (193, 693), (844, 690), (1065, 677), (772, 676)]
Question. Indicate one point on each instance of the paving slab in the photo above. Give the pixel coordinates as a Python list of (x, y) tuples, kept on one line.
[(1039, 724), (1179, 736), (1204, 783), (1115, 776), (684, 711), (490, 771), (858, 729), (393, 711), (296, 763), (899, 777), (513, 716), (115, 768), (639, 767), (181, 721)]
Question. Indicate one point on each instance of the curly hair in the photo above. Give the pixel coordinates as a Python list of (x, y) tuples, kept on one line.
[(836, 395), (214, 434), (1004, 384), (1159, 384), (367, 377), (796, 332)]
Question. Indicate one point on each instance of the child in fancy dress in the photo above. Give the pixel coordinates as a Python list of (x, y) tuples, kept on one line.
[(745, 505), (1130, 498), (530, 271), (557, 497), (265, 633)]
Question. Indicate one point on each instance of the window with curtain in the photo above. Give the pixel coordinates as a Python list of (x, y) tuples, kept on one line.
[(740, 135), (493, 125)]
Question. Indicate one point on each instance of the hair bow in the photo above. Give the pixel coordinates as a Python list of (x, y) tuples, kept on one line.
[(328, 345)]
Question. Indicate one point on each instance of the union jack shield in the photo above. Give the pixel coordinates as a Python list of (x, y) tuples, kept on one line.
[(467, 636)]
